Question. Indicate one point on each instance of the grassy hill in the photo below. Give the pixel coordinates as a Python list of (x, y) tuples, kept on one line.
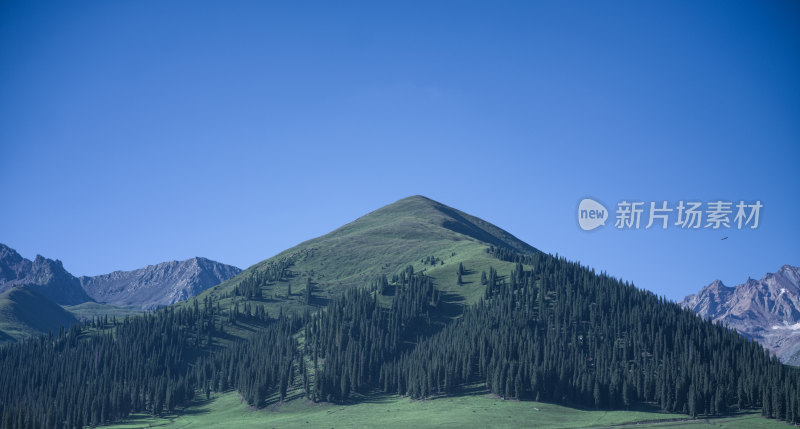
[(24, 313), (548, 330), (429, 236), (384, 242)]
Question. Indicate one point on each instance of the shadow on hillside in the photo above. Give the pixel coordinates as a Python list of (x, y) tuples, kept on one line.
[(471, 390), (318, 301), (274, 401), (264, 299), (372, 397), (376, 398), (389, 290), (6, 338), (451, 305), (198, 407)]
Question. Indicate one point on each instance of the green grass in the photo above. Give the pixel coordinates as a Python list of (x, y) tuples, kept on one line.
[(88, 310), (387, 412), (24, 313), (388, 239)]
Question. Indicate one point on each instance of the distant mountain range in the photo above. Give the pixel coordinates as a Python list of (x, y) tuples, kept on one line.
[(46, 277), (157, 285), (32, 292), (767, 310)]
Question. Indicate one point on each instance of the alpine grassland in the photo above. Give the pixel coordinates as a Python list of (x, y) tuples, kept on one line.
[(416, 314)]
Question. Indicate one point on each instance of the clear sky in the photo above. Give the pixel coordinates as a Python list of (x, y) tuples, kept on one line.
[(137, 132)]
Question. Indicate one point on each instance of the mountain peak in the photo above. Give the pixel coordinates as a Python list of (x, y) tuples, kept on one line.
[(790, 272), (158, 285), (415, 205), (766, 310), (717, 284), (418, 197), (46, 276), (418, 214), (414, 231), (708, 302), (149, 287), (4, 249)]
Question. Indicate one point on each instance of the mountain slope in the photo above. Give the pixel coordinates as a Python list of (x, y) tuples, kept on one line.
[(46, 276), (24, 313), (767, 310), (157, 285), (545, 329), (416, 231)]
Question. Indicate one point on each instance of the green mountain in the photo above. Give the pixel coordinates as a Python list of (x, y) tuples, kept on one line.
[(25, 313), (415, 231), (415, 299)]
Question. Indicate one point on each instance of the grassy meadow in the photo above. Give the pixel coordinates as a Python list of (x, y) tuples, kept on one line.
[(227, 411)]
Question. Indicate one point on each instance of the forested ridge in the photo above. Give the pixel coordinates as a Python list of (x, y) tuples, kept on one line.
[(560, 332), (74, 379), (549, 330)]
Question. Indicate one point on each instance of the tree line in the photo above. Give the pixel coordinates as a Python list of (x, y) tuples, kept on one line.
[(548, 330), (104, 370)]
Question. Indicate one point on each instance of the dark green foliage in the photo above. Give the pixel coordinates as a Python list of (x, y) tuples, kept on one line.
[(77, 380), (356, 336), (257, 368), (432, 260), (307, 292), (382, 285), (566, 334), (547, 330), (250, 286)]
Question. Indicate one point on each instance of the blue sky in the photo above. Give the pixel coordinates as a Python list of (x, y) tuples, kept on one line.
[(137, 132)]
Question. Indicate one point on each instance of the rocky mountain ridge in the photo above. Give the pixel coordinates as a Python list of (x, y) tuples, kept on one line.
[(767, 310), (149, 287), (47, 277), (158, 285)]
